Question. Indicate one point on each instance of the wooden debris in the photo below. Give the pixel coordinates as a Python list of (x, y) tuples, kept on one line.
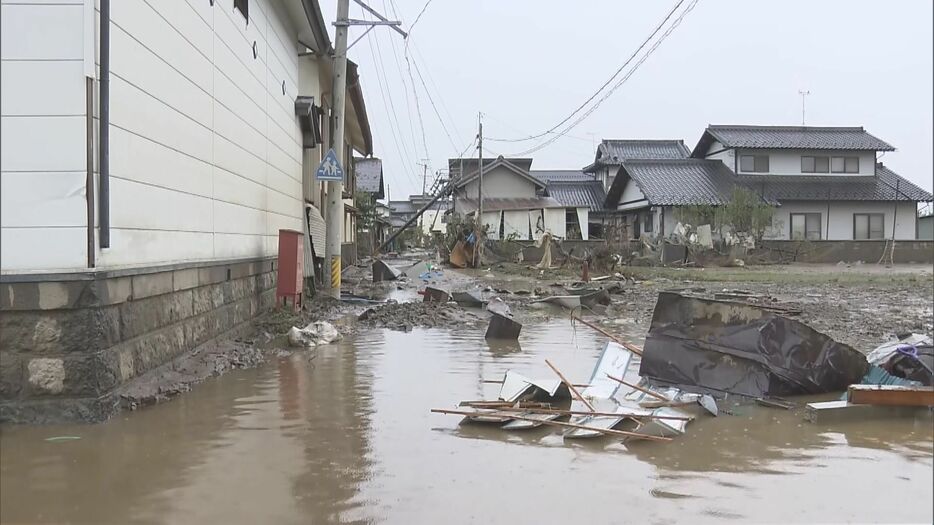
[(640, 389), (570, 385), (628, 346), (891, 395)]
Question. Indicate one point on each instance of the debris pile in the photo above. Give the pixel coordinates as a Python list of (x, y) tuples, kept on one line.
[(314, 334), (405, 316)]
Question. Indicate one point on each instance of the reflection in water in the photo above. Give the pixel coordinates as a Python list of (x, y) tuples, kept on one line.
[(344, 434)]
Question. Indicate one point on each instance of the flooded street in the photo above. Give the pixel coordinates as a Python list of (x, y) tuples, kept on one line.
[(346, 436)]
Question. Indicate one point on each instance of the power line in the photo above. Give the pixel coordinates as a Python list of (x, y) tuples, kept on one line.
[(395, 56), (434, 86), (605, 84), (417, 18), (622, 81)]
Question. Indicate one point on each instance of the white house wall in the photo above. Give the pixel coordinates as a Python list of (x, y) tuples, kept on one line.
[(516, 223), (716, 152), (631, 194), (42, 121), (840, 223), (788, 162), (555, 222), (501, 182)]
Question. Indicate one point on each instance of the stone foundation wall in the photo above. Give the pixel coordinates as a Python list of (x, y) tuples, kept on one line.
[(67, 341), (914, 251)]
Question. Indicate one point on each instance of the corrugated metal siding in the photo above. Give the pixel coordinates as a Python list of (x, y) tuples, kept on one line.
[(317, 228)]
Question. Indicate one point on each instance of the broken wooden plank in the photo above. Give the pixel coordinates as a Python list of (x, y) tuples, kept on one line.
[(570, 385), (640, 389), (891, 395)]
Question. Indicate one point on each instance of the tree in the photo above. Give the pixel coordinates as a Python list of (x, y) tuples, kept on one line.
[(745, 212)]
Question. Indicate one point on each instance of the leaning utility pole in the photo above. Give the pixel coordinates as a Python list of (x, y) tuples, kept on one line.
[(335, 203), (478, 251)]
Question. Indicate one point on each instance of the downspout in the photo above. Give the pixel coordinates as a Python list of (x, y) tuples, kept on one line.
[(104, 145)]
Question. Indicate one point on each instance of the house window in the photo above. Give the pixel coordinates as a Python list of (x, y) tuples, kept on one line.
[(649, 221), (244, 7), (815, 164), (805, 226), (844, 164), (868, 226), (754, 163), (571, 227)]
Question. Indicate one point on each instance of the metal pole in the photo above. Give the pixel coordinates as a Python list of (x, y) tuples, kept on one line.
[(103, 154), (478, 250), (335, 204)]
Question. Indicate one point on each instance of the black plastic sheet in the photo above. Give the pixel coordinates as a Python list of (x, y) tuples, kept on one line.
[(741, 349)]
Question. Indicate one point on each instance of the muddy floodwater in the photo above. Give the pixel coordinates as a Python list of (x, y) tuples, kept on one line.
[(347, 437)]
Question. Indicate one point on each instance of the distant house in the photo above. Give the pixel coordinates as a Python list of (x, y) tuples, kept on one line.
[(926, 227), (825, 181), (611, 153), (515, 203), (433, 220), (580, 191)]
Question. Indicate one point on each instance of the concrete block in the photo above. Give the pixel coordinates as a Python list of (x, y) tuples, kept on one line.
[(143, 316), (197, 330), (185, 279), (152, 284), (51, 295), (202, 300), (240, 270), (212, 275), (59, 331), (115, 291), (46, 411), (46, 375), (11, 375)]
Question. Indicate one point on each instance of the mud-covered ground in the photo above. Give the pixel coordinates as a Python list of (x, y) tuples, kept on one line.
[(857, 305)]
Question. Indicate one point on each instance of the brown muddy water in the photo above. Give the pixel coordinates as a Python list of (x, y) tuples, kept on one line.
[(347, 437)]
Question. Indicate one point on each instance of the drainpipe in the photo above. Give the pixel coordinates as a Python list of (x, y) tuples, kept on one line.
[(104, 145)]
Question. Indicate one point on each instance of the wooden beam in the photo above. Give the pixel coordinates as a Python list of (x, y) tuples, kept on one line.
[(639, 388), (891, 395), (570, 386)]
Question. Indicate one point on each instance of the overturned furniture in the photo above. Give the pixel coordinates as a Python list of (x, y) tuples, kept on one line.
[(502, 327), (707, 345)]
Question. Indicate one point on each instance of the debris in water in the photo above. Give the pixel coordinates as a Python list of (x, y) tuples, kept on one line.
[(384, 272), (62, 438), (314, 334), (437, 295), (909, 357), (891, 395), (754, 352), (502, 327)]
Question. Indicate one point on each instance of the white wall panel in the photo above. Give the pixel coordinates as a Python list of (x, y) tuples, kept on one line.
[(235, 245), (135, 110), (141, 206), (233, 188), (42, 32), (241, 133), (235, 159), (42, 199), (43, 248), (135, 64), (43, 143), (148, 247), (185, 21), (137, 158), (42, 88), (233, 218)]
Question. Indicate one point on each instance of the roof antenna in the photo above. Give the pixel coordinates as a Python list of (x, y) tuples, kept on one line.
[(803, 94)]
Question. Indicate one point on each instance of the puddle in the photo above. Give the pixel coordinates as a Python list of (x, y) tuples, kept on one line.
[(348, 437)]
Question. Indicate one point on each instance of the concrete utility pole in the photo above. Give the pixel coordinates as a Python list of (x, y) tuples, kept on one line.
[(480, 185), (424, 165), (335, 203)]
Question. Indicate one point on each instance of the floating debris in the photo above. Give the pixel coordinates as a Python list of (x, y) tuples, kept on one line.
[(502, 327), (384, 272)]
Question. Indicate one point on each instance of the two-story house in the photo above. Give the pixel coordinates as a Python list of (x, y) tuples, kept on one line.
[(515, 203), (826, 183)]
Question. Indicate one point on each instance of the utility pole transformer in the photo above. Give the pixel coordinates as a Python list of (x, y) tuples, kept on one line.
[(335, 202)]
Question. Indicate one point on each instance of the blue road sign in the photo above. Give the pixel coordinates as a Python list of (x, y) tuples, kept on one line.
[(330, 168)]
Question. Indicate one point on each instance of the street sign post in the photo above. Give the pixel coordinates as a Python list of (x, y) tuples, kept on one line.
[(330, 168)]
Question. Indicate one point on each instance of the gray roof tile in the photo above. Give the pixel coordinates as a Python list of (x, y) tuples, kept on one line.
[(549, 176), (678, 182), (587, 193), (796, 137), (615, 151), (885, 186)]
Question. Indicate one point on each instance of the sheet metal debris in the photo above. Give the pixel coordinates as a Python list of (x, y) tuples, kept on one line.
[(910, 357), (742, 349), (437, 295), (469, 298), (384, 272), (502, 327)]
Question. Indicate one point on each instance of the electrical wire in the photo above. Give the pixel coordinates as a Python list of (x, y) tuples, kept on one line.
[(598, 91), (622, 81)]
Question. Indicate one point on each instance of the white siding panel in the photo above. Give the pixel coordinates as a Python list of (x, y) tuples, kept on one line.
[(236, 101), (137, 111), (186, 22), (43, 199), (233, 218), (43, 143), (42, 32), (42, 88), (138, 19), (228, 66), (146, 247), (233, 188), (43, 248), (241, 47), (138, 66), (234, 129), (204, 10), (141, 206), (230, 246), (276, 222), (233, 158), (138, 158), (283, 204)]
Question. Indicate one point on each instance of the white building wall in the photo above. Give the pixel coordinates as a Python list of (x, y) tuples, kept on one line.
[(205, 149), (788, 162), (839, 225), (431, 221), (43, 61), (716, 152), (501, 183)]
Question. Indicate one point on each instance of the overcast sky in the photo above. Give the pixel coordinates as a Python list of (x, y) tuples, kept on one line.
[(528, 64)]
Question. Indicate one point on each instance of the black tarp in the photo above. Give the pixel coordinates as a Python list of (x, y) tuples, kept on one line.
[(738, 348)]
